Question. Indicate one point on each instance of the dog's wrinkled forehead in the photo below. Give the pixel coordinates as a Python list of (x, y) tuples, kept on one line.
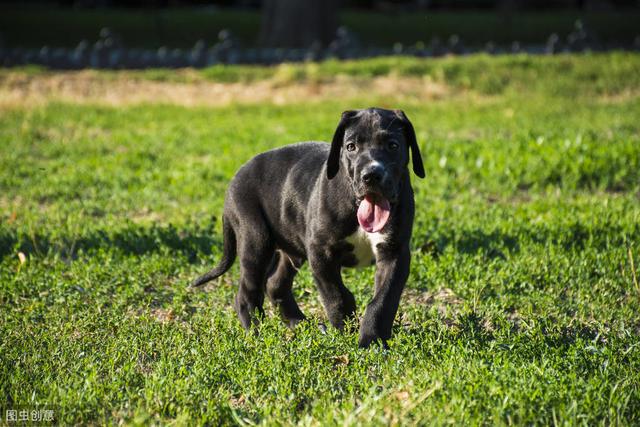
[(373, 123)]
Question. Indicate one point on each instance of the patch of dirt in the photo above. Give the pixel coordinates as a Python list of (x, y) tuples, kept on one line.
[(163, 315), (145, 215), (444, 296), (238, 402), (18, 89), (444, 300), (621, 97)]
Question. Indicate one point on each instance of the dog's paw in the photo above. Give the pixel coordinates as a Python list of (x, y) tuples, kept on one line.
[(367, 339)]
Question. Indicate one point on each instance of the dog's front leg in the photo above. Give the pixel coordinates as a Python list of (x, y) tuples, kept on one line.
[(338, 301), (392, 271)]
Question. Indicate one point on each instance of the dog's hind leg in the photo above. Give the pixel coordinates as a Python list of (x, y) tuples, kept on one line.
[(255, 252), (279, 287)]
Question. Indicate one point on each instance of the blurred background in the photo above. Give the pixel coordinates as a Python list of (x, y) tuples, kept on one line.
[(74, 34)]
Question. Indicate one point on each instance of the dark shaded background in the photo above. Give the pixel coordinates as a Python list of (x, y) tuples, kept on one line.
[(172, 23), (140, 34)]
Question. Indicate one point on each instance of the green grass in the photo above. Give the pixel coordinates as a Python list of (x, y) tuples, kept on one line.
[(521, 306), (35, 26)]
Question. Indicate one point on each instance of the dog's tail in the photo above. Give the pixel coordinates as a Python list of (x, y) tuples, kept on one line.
[(228, 256)]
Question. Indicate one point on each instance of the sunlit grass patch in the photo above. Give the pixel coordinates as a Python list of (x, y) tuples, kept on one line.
[(522, 302)]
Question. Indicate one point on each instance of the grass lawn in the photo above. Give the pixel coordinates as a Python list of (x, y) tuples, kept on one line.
[(523, 302)]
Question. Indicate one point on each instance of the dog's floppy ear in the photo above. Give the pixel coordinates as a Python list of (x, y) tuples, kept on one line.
[(333, 162), (410, 137)]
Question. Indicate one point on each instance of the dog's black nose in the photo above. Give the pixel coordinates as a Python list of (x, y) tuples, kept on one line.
[(372, 174)]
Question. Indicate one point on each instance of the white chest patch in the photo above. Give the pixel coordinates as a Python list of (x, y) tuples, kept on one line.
[(365, 246)]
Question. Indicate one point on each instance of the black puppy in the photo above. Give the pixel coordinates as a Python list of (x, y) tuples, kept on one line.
[(349, 204)]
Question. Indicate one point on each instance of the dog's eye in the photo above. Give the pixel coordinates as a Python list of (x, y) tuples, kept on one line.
[(351, 146), (393, 146)]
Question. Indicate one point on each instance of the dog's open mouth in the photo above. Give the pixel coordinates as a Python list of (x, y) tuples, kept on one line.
[(373, 213)]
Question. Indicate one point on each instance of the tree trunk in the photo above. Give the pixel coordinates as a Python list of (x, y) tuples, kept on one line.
[(298, 23)]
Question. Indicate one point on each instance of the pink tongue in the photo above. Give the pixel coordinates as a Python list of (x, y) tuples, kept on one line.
[(373, 214)]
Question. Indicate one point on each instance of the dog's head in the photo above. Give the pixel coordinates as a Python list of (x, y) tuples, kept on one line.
[(373, 146)]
